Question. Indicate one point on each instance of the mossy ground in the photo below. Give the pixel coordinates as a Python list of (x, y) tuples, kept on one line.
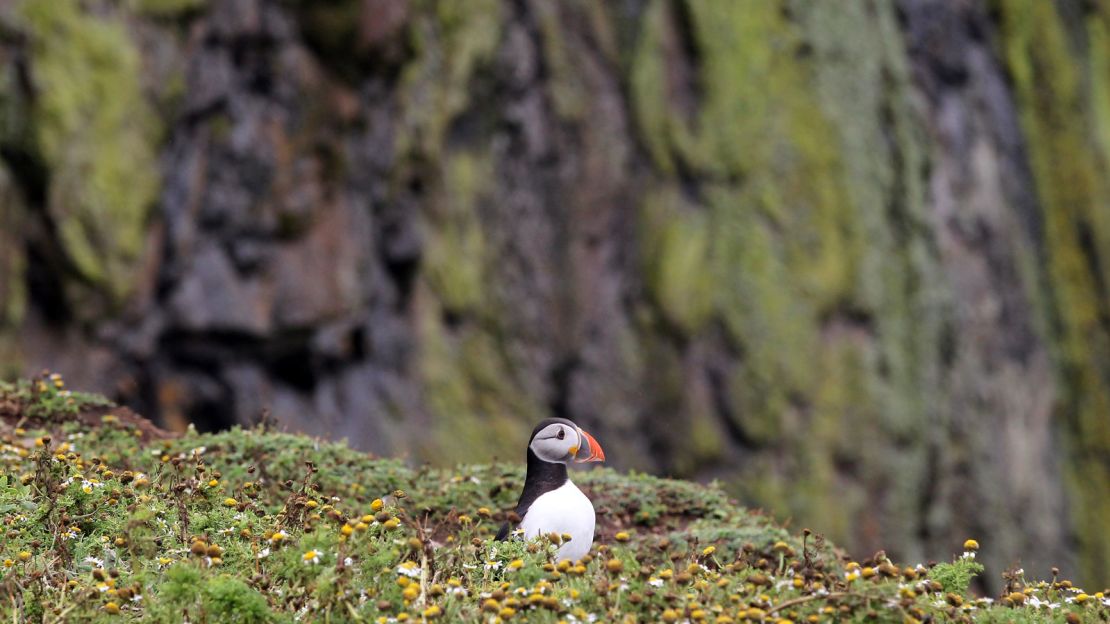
[(105, 518)]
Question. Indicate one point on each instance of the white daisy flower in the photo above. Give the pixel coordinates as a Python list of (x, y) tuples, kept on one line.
[(1037, 603), (409, 569)]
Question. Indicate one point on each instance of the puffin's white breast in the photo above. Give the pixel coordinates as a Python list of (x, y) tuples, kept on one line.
[(562, 510)]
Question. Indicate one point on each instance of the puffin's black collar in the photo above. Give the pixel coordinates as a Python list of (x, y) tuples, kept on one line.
[(543, 477)]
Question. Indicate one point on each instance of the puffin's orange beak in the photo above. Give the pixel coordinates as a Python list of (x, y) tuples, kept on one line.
[(596, 454)]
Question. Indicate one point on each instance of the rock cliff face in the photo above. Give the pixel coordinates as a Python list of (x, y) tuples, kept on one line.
[(849, 257)]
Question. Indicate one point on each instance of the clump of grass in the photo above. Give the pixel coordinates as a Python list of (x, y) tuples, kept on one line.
[(43, 398), (103, 524)]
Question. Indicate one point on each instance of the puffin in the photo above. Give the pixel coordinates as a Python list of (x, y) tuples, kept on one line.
[(550, 502)]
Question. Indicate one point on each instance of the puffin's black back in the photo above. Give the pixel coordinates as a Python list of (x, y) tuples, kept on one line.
[(542, 476)]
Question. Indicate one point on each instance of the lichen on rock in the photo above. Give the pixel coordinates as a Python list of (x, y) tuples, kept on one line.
[(97, 134)]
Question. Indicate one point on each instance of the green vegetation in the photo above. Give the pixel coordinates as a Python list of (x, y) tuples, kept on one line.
[(166, 8), (1064, 114), (44, 398), (778, 217), (107, 519), (97, 134)]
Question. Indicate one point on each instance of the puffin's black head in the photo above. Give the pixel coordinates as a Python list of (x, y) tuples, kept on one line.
[(559, 441)]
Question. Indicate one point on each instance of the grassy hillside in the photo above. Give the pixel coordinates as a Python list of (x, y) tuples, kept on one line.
[(107, 518)]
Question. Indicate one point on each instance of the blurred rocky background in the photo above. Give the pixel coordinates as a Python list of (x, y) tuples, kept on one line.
[(849, 258)]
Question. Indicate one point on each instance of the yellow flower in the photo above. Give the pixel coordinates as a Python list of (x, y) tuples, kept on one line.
[(213, 483), (484, 512), (112, 608), (346, 530), (230, 502), (24, 556), (432, 612), (971, 545), (312, 504), (411, 592), (376, 505), (621, 536), (708, 550), (392, 523), (516, 564)]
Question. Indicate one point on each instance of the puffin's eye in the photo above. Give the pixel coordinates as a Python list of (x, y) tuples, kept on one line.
[(562, 434)]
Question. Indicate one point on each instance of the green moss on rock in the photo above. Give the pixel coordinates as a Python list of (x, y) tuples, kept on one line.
[(1060, 101), (792, 214), (165, 8), (450, 41), (97, 134), (456, 252), (469, 391), (675, 242)]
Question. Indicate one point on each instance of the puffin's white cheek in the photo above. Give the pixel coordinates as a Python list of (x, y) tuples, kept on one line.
[(546, 450)]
